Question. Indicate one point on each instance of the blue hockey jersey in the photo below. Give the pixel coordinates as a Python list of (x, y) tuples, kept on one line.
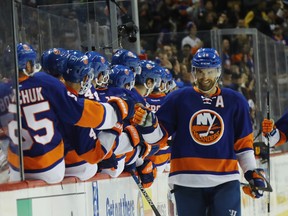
[(44, 103), (154, 101), (210, 133)]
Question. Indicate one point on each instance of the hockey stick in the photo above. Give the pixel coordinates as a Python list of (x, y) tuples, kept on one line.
[(268, 149), (149, 200)]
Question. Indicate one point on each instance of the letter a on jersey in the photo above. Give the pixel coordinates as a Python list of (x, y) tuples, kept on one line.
[(206, 127)]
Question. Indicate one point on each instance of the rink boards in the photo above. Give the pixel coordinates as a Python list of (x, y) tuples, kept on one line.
[(104, 196)]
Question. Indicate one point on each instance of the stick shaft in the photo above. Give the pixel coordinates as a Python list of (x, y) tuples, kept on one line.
[(268, 144), (147, 197)]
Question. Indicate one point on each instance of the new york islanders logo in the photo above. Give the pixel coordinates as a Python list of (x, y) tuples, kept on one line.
[(126, 71), (85, 60), (206, 127), (56, 51), (26, 47), (102, 60)]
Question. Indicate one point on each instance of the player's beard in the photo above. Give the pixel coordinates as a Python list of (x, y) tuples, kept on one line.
[(206, 85)]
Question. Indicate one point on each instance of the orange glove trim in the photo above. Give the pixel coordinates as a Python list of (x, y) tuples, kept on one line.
[(247, 190), (122, 105), (134, 135)]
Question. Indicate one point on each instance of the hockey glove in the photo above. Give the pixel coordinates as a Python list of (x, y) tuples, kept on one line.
[(136, 139), (130, 167), (256, 183), (123, 108), (118, 128), (147, 173), (108, 163), (267, 126), (144, 117)]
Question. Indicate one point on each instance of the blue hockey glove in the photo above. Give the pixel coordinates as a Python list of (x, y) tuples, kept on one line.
[(108, 163), (130, 167), (257, 183)]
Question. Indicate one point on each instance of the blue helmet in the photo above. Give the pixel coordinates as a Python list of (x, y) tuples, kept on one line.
[(100, 65), (54, 61), (127, 58), (167, 79), (149, 71), (206, 58), (25, 53), (78, 67), (122, 77)]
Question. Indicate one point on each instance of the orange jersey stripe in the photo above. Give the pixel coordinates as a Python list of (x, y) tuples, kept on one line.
[(246, 142), (203, 164), (38, 162), (160, 159), (93, 114), (96, 154), (72, 157)]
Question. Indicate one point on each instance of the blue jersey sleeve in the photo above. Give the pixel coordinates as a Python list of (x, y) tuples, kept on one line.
[(169, 108)]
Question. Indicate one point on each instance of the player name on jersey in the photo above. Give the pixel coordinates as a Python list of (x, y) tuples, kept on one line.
[(31, 95)]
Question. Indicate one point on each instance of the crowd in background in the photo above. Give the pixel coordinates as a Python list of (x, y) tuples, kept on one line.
[(171, 31), (166, 16), (161, 21)]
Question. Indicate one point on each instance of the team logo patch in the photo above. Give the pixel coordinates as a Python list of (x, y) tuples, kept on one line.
[(85, 60), (56, 51), (102, 60), (149, 66), (26, 47), (130, 54), (206, 127), (126, 71)]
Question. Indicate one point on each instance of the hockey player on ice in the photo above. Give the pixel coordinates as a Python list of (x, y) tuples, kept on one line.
[(211, 139)]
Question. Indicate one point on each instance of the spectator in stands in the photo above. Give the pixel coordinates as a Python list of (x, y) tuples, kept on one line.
[(271, 18), (168, 49), (208, 21), (279, 36), (226, 79), (256, 18), (226, 59), (163, 59), (235, 78), (186, 56), (185, 75), (223, 21), (234, 13), (192, 38)]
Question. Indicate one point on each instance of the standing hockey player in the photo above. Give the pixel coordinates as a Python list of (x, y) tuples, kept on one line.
[(213, 133)]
